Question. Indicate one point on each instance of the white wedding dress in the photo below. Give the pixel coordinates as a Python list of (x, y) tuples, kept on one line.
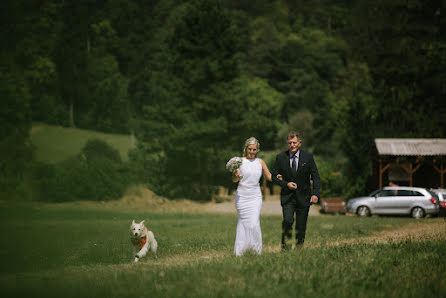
[(248, 202)]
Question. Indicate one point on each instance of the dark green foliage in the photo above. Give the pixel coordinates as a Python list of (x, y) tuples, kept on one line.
[(97, 149), (355, 97), (96, 174), (42, 180), (193, 79), (407, 63), (108, 108), (306, 69), (150, 169), (334, 182), (46, 105), (15, 124), (187, 121)]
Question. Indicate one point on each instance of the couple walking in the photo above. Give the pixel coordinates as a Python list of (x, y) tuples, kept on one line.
[(292, 171)]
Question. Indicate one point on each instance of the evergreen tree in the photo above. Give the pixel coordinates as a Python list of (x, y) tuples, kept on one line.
[(15, 117), (355, 112), (404, 46)]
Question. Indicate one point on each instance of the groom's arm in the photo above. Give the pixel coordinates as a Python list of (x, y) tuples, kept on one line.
[(275, 171)]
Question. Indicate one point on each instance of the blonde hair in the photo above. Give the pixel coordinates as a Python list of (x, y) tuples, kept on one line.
[(251, 141)]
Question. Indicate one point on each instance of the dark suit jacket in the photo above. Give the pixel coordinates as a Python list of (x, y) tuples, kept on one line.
[(306, 170)]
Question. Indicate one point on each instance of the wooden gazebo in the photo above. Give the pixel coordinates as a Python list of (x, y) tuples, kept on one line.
[(407, 155)]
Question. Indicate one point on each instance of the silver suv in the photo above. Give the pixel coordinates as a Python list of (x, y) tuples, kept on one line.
[(414, 201), (441, 193)]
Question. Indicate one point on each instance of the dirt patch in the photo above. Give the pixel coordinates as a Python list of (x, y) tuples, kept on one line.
[(139, 198), (419, 231)]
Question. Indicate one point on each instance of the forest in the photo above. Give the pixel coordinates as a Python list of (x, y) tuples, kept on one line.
[(193, 79)]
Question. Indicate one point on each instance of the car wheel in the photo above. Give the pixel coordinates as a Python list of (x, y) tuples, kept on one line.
[(363, 211), (417, 212)]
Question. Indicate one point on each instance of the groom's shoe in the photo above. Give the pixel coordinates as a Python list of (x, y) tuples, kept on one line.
[(300, 243), (287, 242)]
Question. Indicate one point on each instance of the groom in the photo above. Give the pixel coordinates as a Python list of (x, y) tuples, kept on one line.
[(297, 167)]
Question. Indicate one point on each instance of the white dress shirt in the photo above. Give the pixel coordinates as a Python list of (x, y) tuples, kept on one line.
[(297, 159)]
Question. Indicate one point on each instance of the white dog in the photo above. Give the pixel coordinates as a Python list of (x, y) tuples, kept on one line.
[(142, 239)]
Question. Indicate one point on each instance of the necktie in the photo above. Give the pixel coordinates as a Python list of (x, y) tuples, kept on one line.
[(293, 164)]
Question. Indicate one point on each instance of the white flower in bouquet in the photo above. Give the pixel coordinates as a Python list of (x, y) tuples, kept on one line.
[(234, 164)]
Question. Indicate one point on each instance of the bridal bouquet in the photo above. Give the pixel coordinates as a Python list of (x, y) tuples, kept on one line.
[(234, 164)]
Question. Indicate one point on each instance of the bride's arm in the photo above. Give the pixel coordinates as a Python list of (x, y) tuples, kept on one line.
[(235, 176), (266, 171)]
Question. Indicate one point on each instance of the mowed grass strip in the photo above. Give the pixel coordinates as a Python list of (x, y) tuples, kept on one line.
[(55, 143), (76, 252)]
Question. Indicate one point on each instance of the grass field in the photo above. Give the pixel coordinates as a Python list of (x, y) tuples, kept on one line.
[(55, 143), (73, 250)]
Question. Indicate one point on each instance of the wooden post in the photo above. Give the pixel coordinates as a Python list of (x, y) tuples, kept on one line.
[(442, 176), (441, 171), (381, 172), (410, 171)]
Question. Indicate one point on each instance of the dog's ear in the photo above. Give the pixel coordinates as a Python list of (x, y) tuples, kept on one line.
[(141, 223), (133, 222)]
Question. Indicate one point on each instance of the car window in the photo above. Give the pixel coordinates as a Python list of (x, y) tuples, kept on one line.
[(405, 193), (435, 195), (386, 193), (375, 193), (441, 195), (412, 193)]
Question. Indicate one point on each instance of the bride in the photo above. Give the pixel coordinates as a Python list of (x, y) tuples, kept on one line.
[(248, 199)]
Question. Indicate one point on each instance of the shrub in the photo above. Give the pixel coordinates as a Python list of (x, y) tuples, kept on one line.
[(97, 174), (96, 149), (332, 181)]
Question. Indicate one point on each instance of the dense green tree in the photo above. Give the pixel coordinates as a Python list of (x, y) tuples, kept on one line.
[(355, 112), (265, 41), (28, 48), (15, 123), (204, 110), (72, 54), (108, 105), (330, 16), (96, 174), (301, 121), (307, 65), (195, 78), (404, 45), (46, 104), (40, 69)]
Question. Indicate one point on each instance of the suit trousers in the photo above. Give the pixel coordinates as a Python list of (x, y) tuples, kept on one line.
[(288, 210)]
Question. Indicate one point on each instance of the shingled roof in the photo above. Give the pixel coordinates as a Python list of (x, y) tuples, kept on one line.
[(411, 147)]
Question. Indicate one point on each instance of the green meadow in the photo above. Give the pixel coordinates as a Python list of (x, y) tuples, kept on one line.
[(56, 143), (73, 250), (83, 249)]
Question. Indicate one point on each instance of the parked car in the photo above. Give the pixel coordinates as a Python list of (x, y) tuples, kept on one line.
[(332, 205), (441, 193), (415, 201)]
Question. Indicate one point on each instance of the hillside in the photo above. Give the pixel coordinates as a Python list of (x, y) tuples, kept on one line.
[(56, 143)]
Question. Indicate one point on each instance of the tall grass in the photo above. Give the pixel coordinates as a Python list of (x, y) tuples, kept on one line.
[(55, 143), (61, 251)]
